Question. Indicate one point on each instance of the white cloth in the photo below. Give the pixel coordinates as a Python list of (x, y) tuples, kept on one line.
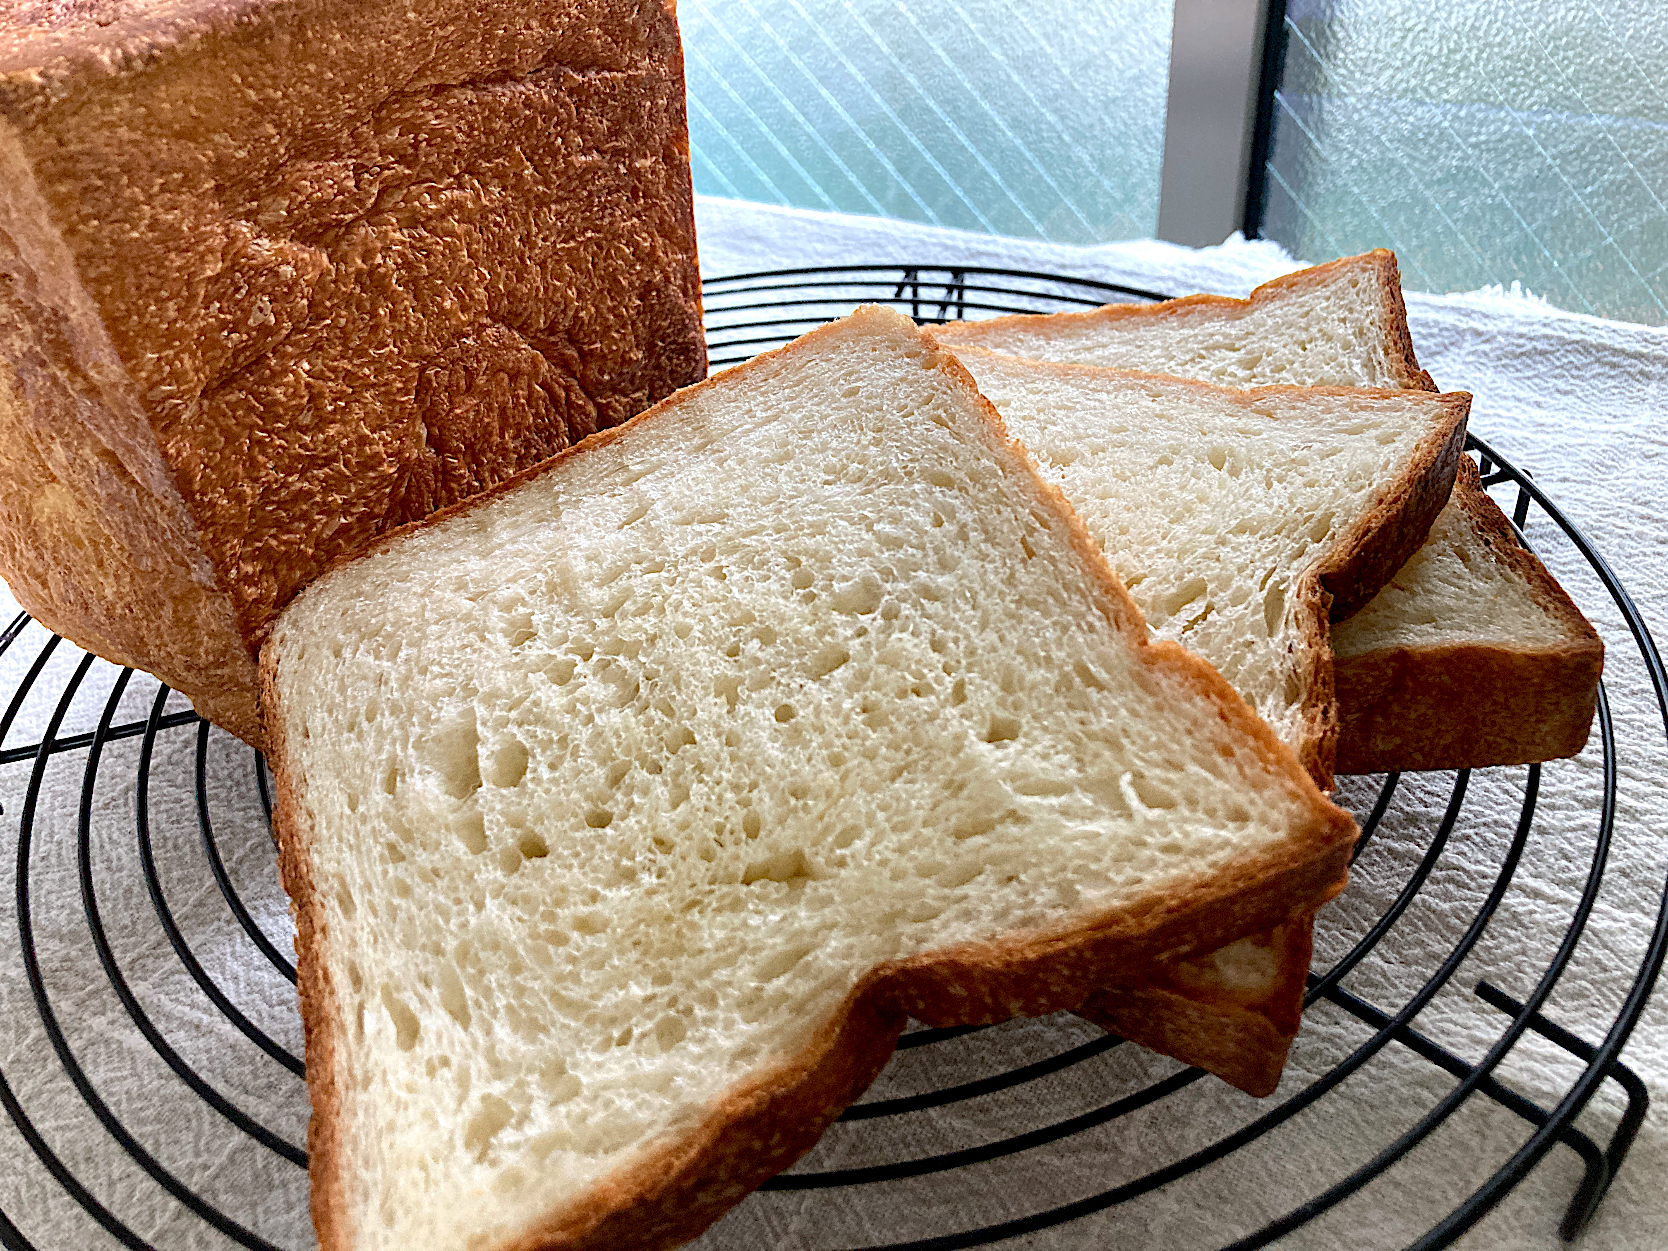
[(1573, 399)]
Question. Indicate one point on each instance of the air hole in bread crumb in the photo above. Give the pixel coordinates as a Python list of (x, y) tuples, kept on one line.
[(493, 1115), (669, 1031), (1166, 606), (508, 764), (533, 847), (1274, 608), (590, 922), (1002, 728), (859, 596), (786, 712), (1150, 793), (599, 818), (784, 866), (404, 1019), (453, 751), (958, 692), (471, 829), (452, 996)]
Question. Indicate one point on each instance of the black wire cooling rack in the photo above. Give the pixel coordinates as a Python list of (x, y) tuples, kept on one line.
[(79, 713)]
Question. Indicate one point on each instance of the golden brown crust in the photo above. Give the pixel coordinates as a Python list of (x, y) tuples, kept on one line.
[(672, 1191), (1190, 1011), (320, 1014), (1399, 523), (348, 293), (1471, 705), (1239, 1045), (1377, 266), (95, 541)]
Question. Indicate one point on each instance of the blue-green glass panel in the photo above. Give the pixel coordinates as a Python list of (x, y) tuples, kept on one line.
[(1486, 141), (1043, 120)]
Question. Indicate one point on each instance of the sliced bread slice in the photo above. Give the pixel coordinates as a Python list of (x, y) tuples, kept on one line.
[(1342, 324), (1345, 324), (1240, 521), (629, 809), (1471, 655)]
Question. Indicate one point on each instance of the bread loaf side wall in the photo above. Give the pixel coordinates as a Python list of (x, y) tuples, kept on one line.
[(95, 542)]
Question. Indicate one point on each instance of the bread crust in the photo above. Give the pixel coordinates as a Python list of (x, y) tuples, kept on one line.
[(675, 1188), (1378, 267), (320, 1010), (246, 330), (1471, 705), (95, 540), (1188, 1011)]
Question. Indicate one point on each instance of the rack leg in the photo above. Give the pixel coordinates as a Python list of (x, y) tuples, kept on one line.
[(1592, 1189)]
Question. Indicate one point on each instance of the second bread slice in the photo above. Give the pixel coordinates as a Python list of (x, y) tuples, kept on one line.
[(1241, 522)]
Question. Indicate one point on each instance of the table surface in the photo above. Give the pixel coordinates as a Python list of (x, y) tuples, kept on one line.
[(1577, 401)]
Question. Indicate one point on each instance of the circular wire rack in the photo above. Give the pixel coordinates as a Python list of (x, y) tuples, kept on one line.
[(77, 710)]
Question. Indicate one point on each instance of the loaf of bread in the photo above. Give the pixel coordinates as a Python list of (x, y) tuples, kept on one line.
[(277, 275), (1453, 670), (630, 808)]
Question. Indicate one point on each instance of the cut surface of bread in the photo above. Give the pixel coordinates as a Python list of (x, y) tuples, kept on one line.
[(423, 245), (1471, 655), (1240, 520), (629, 809)]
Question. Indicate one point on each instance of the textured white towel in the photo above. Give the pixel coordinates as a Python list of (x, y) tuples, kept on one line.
[(1578, 401)]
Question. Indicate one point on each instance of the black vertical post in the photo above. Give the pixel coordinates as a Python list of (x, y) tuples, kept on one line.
[(1262, 137)]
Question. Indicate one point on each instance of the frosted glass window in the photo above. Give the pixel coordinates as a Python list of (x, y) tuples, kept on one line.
[(1043, 120), (1486, 141)]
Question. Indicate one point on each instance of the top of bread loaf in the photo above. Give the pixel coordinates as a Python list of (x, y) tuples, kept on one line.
[(617, 803)]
